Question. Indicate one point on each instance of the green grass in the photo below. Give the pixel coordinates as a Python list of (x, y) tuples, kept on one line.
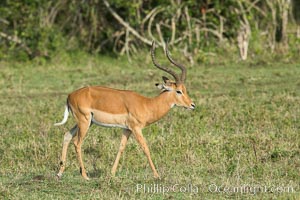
[(244, 132)]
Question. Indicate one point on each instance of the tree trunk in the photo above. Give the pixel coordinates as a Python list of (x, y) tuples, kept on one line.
[(285, 10)]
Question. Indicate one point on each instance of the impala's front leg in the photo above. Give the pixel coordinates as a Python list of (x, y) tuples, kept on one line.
[(67, 138), (123, 143), (141, 140)]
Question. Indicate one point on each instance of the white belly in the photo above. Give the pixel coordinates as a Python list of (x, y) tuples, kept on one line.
[(109, 120), (109, 125)]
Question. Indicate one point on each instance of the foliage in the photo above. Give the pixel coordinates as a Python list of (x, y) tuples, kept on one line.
[(35, 28)]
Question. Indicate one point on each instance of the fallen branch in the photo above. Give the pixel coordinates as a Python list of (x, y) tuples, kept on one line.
[(188, 20), (125, 24), (118, 36), (148, 16), (214, 32), (4, 21), (173, 25), (150, 24), (243, 40), (126, 45), (254, 5), (160, 34), (244, 33), (18, 41)]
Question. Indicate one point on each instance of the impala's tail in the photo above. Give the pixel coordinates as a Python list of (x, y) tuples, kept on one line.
[(66, 115)]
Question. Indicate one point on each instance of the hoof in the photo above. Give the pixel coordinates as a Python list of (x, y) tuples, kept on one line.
[(58, 176), (113, 174), (83, 174), (86, 178), (156, 176)]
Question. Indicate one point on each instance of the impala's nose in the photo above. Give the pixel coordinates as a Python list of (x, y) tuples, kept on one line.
[(193, 106)]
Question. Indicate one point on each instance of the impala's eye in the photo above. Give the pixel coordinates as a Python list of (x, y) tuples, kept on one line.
[(178, 92)]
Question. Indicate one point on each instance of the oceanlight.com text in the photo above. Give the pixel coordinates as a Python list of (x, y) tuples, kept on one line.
[(250, 189)]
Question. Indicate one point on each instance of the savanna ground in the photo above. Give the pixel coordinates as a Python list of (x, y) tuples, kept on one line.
[(243, 134)]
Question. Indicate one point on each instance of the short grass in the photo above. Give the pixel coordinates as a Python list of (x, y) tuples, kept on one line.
[(242, 141)]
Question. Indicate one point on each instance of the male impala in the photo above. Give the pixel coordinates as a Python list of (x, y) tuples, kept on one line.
[(121, 108)]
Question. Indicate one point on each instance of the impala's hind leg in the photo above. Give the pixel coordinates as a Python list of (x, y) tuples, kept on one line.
[(123, 143), (67, 138), (83, 126)]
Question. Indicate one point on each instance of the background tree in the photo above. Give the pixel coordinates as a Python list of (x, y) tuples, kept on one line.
[(40, 28)]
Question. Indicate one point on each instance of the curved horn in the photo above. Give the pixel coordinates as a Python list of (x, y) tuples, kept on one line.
[(169, 71), (181, 67)]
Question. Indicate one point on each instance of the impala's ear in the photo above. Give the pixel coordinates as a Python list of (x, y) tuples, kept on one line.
[(159, 86), (163, 87), (166, 85)]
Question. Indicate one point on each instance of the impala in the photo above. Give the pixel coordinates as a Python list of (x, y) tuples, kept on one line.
[(124, 109)]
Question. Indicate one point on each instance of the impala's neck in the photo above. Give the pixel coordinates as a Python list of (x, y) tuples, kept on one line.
[(159, 106)]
